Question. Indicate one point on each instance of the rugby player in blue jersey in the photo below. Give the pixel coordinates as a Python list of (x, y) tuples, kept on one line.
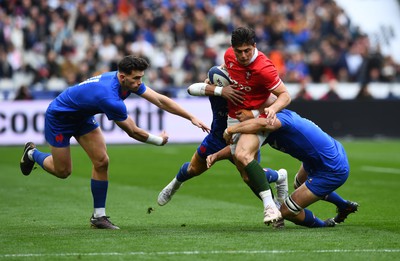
[(214, 142), (324, 165), (71, 114)]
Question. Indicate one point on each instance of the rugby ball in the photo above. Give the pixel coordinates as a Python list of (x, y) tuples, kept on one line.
[(219, 76)]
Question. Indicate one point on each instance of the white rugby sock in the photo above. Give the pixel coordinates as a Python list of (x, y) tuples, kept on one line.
[(99, 212), (266, 197)]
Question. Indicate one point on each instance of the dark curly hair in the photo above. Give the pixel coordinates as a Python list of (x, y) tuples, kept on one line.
[(243, 35), (132, 63)]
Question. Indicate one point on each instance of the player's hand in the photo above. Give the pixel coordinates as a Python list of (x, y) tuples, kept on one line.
[(165, 137), (200, 124), (228, 136), (232, 95), (210, 160), (270, 115), (243, 115)]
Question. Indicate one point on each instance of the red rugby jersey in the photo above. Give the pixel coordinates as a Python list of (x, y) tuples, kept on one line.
[(256, 80)]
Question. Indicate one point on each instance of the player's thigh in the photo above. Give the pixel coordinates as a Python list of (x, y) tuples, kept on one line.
[(94, 145), (247, 147)]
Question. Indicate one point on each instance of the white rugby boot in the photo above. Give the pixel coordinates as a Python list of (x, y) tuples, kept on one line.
[(166, 194), (271, 214)]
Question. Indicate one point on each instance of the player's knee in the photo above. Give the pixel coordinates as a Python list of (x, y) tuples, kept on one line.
[(63, 173), (101, 164), (243, 157), (290, 208)]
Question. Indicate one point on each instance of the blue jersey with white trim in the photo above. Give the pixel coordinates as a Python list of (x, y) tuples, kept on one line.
[(305, 141), (99, 94)]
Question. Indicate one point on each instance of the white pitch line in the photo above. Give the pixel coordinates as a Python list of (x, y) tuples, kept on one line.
[(202, 252), (380, 169)]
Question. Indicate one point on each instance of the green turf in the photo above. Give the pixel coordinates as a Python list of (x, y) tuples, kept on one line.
[(213, 217)]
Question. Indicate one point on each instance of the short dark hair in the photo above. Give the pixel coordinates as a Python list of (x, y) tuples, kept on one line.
[(243, 35), (132, 63)]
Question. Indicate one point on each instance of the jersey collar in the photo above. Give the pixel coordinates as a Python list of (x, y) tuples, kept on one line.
[(254, 55)]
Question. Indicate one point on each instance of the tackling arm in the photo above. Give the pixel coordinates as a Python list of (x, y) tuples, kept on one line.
[(243, 115), (251, 126), (282, 101)]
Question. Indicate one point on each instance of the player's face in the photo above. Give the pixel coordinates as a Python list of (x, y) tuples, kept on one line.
[(132, 81), (244, 53)]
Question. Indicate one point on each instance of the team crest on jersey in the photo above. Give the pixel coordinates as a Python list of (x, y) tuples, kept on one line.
[(59, 138), (248, 75)]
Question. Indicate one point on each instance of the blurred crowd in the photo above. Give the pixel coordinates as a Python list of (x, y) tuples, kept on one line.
[(310, 41)]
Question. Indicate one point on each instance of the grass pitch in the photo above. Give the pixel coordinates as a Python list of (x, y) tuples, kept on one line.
[(212, 217)]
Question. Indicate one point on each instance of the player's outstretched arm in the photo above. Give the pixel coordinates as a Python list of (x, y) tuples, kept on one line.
[(206, 89), (130, 127), (167, 104)]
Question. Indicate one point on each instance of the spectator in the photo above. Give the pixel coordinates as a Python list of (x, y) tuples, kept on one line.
[(303, 95), (23, 93), (388, 69), (331, 95), (6, 70), (296, 68), (364, 93), (107, 51), (316, 67)]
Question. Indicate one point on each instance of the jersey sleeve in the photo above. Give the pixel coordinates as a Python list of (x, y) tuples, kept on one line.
[(271, 76), (285, 118), (142, 88), (115, 110)]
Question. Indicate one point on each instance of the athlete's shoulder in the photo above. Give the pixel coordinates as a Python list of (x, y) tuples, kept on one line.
[(109, 77), (263, 62), (105, 78), (267, 70)]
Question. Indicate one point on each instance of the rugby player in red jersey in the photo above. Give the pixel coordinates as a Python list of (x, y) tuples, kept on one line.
[(257, 77)]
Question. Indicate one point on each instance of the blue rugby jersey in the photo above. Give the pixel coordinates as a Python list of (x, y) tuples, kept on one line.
[(219, 108), (307, 142), (99, 94)]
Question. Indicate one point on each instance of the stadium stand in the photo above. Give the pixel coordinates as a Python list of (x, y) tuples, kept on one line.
[(314, 43)]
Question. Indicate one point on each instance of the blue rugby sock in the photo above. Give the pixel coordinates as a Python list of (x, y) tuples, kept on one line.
[(310, 220), (99, 192), (183, 174), (39, 157), (272, 175), (337, 200)]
